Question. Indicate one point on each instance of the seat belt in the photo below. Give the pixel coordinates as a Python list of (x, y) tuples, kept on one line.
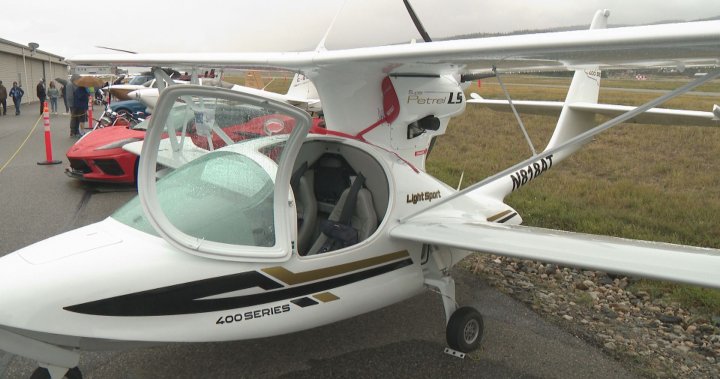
[(340, 233), (351, 200)]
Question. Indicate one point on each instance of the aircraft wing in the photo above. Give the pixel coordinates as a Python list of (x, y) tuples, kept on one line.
[(347, 81), (674, 45), (660, 116), (693, 265)]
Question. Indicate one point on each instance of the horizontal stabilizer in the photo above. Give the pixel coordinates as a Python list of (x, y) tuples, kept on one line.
[(693, 265), (660, 116)]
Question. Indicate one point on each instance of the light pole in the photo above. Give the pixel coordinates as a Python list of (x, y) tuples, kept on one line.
[(33, 46)]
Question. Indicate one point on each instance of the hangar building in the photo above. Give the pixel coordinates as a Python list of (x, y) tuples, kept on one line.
[(18, 63)]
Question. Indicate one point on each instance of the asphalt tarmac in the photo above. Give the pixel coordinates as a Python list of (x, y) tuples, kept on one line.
[(404, 340)]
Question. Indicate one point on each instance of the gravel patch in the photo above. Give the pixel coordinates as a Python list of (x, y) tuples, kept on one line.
[(658, 340)]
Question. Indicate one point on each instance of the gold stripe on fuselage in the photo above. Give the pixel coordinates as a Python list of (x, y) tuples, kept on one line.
[(291, 278), (326, 297), (497, 216)]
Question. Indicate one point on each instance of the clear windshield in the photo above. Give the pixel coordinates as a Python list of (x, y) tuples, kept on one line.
[(225, 156), (222, 197)]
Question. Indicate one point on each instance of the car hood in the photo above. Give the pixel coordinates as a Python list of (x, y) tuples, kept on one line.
[(103, 136)]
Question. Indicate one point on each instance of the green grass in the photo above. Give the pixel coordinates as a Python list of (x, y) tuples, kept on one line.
[(648, 182)]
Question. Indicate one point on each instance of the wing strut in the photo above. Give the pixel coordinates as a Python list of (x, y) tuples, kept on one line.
[(517, 116), (577, 140)]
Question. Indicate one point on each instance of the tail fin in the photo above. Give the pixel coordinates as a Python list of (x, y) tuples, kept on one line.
[(302, 88), (585, 87), (253, 79)]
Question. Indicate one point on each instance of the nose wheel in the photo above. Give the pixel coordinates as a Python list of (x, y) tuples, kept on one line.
[(44, 373), (464, 330)]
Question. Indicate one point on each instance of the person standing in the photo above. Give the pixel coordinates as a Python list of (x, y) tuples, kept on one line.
[(3, 98), (53, 94), (69, 98), (16, 92), (79, 107), (63, 93), (41, 94)]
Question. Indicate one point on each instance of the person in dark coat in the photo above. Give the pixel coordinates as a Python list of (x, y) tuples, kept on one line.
[(41, 94), (63, 93), (69, 98), (79, 107), (3, 98)]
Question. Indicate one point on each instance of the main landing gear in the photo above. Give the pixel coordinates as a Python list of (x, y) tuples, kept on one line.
[(464, 330), (465, 326)]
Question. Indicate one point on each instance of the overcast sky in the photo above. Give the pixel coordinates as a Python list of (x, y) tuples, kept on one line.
[(67, 28)]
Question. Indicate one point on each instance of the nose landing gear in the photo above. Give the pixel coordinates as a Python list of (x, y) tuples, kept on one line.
[(44, 373)]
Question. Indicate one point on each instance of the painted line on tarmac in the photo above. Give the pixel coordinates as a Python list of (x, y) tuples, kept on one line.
[(21, 145)]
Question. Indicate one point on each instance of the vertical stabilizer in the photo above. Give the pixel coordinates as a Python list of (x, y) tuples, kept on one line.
[(302, 88), (253, 79), (585, 87)]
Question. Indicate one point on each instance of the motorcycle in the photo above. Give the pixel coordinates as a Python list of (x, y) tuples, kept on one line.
[(112, 118)]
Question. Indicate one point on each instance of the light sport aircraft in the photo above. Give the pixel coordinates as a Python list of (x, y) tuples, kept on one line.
[(285, 230), (301, 92)]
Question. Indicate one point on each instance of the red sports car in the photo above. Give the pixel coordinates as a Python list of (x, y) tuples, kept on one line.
[(99, 156)]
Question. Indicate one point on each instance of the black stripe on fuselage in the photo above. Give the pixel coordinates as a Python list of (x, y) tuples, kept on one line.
[(187, 298)]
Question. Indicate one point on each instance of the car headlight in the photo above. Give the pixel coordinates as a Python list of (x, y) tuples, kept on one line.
[(120, 143), (105, 121)]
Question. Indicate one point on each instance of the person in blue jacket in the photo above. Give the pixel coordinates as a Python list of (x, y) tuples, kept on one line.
[(79, 107), (16, 93)]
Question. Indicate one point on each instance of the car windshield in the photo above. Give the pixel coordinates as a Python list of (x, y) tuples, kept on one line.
[(222, 197), (140, 80), (142, 125)]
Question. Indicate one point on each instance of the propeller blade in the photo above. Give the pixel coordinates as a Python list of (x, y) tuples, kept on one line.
[(416, 21), (116, 49)]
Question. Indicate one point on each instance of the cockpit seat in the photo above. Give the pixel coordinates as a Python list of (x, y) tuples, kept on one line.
[(363, 219)]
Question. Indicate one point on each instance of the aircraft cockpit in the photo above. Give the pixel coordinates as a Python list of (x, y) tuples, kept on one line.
[(224, 198)]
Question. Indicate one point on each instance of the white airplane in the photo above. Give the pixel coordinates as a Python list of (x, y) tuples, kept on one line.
[(301, 92), (122, 91), (282, 230)]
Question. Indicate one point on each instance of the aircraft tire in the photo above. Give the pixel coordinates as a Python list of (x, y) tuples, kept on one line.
[(465, 329), (42, 373)]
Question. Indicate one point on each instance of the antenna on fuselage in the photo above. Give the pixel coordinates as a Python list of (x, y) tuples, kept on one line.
[(321, 44)]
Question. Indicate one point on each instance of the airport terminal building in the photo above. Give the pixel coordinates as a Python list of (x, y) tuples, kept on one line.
[(19, 63)]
